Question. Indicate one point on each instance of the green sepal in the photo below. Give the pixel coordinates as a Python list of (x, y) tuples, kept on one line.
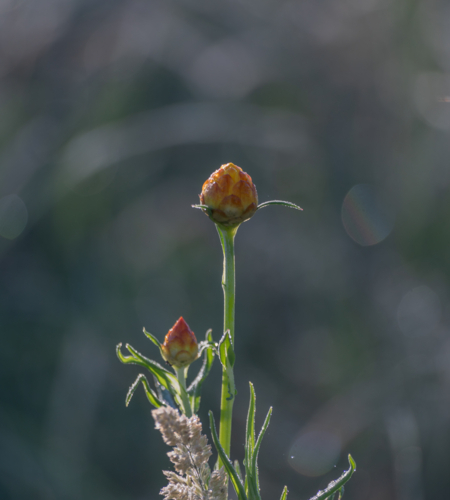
[(279, 202), (164, 377), (150, 393), (194, 390), (284, 494), (338, 484), (231, 471), (206, 210)]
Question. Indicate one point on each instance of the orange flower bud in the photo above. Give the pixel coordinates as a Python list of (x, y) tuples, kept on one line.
[(180, 346), (230, 195)]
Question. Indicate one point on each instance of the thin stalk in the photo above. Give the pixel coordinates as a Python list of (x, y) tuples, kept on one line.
[(228, 284), (181, 376)]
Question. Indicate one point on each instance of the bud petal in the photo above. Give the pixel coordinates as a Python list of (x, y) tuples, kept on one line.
[(230, 195), (180, 346)]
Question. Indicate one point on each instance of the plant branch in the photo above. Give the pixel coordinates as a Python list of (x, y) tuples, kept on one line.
[(227, 235)]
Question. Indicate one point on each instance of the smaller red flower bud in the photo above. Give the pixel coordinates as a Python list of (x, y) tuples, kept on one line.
[(180, 346), (230, 195)]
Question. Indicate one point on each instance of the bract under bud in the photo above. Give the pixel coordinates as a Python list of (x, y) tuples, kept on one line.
[(230, 195), (180, 346)]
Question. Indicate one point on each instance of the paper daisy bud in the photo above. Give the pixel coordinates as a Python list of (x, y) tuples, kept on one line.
[(180, 346), (230, 195)]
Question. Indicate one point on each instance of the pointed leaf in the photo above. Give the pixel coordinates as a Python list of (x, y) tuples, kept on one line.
[(226, 350), (250, 434), (254, 467), (206, 344), (164, 377), (249, 437), (232, 474), (163, 394), (338, 484), (279, 202), (284, 494), (238, 469), (151, 396), (152, 338)]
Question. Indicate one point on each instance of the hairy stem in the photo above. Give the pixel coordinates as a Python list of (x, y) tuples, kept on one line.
[(181, 376), (228, 284)]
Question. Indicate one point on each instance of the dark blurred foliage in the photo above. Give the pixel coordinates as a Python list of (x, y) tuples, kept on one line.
[(112, 114)]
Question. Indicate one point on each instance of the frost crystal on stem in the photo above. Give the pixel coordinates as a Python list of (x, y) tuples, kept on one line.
[(193, 479)]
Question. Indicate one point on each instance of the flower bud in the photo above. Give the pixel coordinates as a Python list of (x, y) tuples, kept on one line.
[(230, 195), (180, 346)]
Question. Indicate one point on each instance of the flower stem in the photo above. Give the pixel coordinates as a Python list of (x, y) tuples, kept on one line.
[(181, 376), (228, 284)]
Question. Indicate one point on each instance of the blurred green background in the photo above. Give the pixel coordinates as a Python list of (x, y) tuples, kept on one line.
[(112, 115)]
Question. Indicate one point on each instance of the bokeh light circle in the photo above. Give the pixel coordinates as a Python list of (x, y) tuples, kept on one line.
[(419, 311), (13, 216), (366, 217), (314, 453)]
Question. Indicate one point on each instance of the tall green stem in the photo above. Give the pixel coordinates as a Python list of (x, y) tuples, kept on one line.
[(228, 284)]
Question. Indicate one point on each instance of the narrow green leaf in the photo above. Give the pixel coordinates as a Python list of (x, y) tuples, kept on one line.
[(249, 437), (164, 395), (205, 344), (164, 377), (151, 395), (338, 484), (152, 338), (201, 207), (195, 388), (253, 488), (284, 494), (232, 474), (238, 469), (254, 467), (279, 202)]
